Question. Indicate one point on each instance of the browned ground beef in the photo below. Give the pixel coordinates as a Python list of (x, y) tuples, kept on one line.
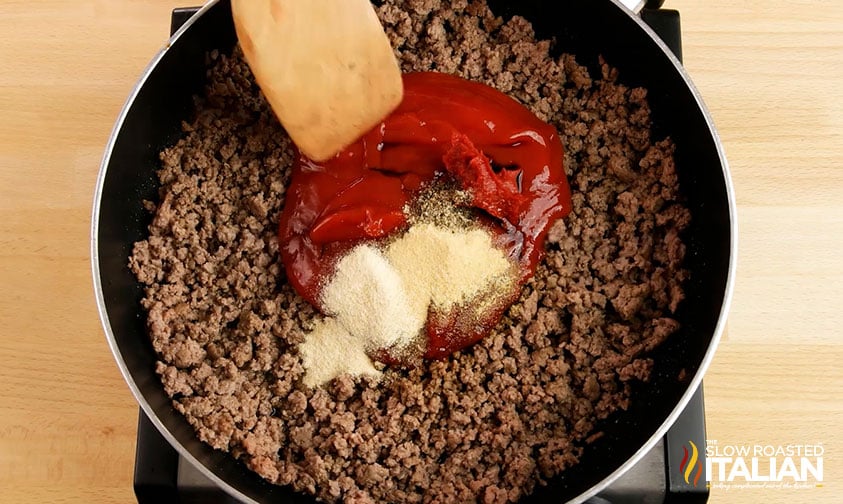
[(487, 424)]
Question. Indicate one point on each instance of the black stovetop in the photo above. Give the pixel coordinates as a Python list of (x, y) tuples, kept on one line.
[(162, 476)]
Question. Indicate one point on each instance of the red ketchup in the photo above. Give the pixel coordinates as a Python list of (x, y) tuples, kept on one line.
[(503, 155)]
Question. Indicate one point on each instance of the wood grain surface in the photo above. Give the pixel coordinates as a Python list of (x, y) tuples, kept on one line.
[(771, 74)]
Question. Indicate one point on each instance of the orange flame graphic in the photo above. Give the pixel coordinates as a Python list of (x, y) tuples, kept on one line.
[(688, 466)]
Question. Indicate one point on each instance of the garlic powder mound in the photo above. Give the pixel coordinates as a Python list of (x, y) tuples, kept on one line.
[(448, 266), (380, 301), (329, 351), (369, 298)]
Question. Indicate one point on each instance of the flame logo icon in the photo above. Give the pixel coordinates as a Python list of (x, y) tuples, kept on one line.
[(687, 466)]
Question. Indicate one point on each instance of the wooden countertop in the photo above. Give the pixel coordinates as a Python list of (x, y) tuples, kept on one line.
[(770, 72)]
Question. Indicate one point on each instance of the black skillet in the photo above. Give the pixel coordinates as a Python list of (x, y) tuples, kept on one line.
[(151, 120)]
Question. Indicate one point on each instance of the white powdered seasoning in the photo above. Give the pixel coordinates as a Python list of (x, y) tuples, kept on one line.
[(330, 351), (369, 299), (445, 266), (378, 300)]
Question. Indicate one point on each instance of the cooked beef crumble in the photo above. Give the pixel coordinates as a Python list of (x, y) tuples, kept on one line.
[(490, 422)]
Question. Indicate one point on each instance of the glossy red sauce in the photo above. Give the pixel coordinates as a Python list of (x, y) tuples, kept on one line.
[(508, 159)]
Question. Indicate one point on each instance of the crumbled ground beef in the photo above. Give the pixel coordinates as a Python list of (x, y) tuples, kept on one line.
[(487, 424)]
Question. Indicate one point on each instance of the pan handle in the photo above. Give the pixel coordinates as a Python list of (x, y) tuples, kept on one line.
[(665, 22), (637, 5)]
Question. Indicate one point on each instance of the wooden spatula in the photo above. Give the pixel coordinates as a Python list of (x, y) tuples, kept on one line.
[(325, 66)]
